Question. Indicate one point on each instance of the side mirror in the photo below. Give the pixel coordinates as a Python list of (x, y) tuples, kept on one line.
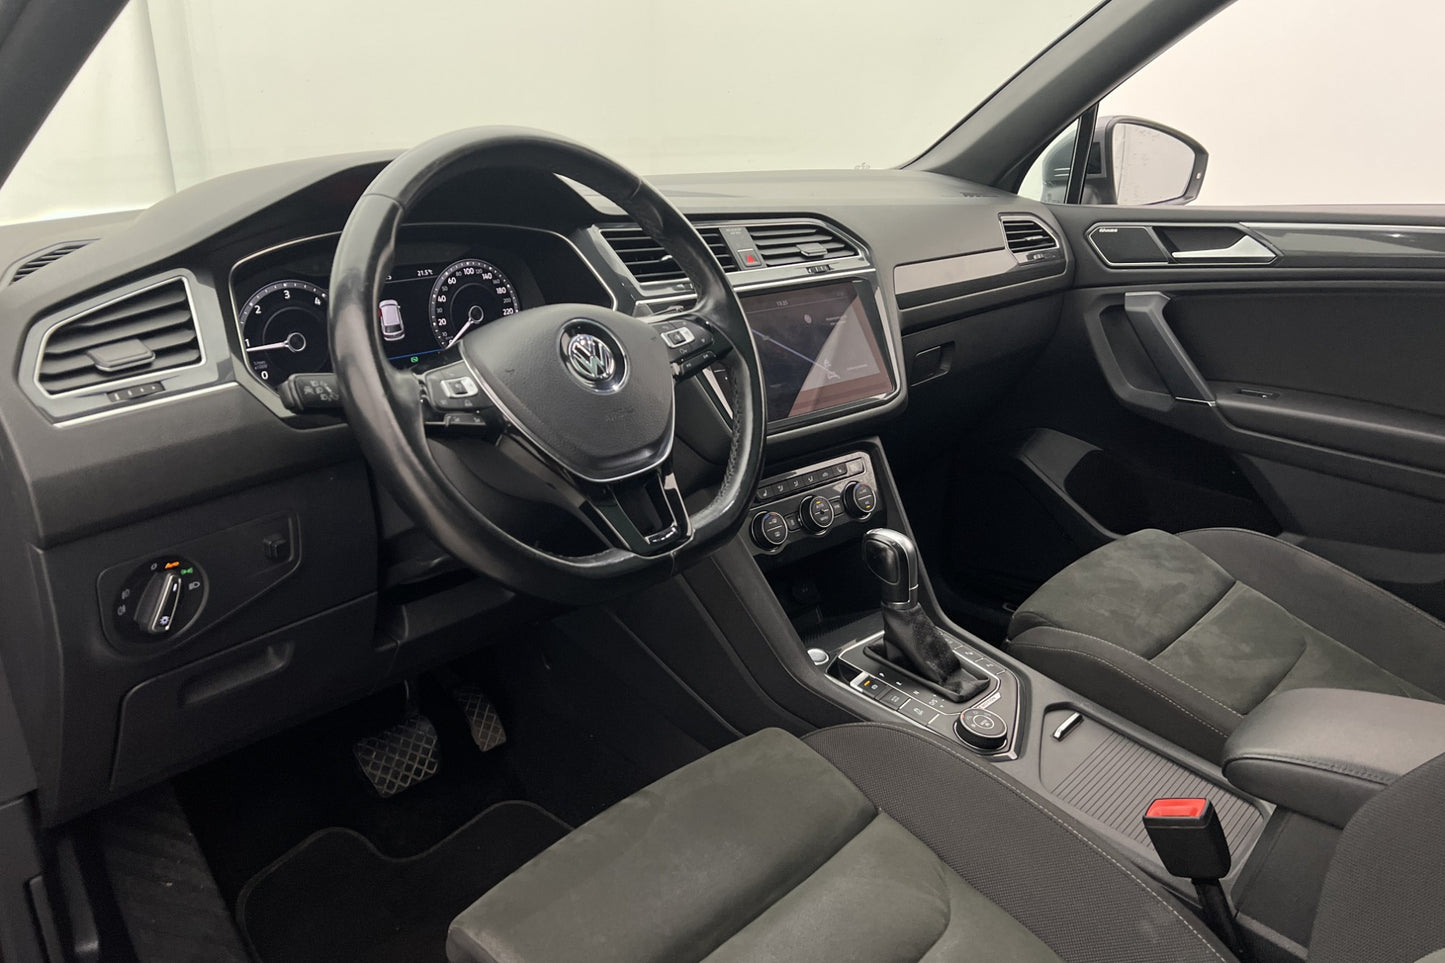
[(1138, 162)]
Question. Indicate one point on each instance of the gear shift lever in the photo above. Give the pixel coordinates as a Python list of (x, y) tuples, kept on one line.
[(912, 643), (893, 558)]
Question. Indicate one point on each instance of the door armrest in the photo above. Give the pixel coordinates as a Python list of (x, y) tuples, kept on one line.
[(1327, 752)]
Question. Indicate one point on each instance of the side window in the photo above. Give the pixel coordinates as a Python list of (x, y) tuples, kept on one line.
[(1278, 102)]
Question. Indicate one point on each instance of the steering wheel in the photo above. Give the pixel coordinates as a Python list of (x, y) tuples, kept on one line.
[(584, 394)]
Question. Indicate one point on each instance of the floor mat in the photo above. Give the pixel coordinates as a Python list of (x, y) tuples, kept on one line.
[(335, 897)]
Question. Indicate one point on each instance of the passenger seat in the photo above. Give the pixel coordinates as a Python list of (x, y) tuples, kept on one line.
[(1186, 634)]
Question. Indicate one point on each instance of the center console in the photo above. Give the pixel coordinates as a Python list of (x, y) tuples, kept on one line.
[(805, 622), (986, 723)]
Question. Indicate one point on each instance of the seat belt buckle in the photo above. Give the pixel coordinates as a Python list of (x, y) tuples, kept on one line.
[(1188, 837)]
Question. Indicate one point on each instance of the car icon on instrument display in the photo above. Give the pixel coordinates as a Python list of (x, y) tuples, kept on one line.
[(392, 327)]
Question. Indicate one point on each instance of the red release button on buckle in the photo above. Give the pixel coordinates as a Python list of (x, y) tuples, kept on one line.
[(1177, 809)]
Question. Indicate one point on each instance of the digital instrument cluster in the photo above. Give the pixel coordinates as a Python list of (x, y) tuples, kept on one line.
[(424, 310)]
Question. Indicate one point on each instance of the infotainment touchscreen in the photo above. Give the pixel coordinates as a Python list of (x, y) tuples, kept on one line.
[(818, 348)]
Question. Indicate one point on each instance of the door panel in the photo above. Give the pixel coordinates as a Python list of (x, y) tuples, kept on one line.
[(1318, 371)]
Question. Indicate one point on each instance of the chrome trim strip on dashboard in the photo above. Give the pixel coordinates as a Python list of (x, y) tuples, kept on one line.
[(142, 378), (152, 403), (939, 273)]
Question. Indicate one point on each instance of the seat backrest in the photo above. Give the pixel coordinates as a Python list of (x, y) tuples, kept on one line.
[(1384, 894)]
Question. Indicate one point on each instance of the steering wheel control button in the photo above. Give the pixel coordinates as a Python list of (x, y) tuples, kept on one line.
[(816, 514), (694, 364), (463, 387), (770, 530), (677, 337), (454, 388), (158, 600), (859, 500), (982, 730)]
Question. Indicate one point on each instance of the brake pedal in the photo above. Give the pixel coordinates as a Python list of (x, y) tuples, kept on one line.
[(482, 718), (400, 757)]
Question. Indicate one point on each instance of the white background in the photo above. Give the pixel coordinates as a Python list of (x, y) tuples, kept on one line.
[(1298, 101)]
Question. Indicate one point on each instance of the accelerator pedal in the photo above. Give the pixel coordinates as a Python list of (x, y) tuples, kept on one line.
[(400, 757), (482, 718)]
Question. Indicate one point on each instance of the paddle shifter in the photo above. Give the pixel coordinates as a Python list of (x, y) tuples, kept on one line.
[(911, 642)]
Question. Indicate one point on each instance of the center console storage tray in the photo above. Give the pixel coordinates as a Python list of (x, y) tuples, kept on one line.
[(1108, 780)]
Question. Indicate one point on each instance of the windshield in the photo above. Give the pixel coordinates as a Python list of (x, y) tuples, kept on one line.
[(183, 90)]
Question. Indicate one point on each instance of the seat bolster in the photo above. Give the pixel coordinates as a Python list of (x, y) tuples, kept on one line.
[(1017, 850), (884, 898), (1130, 685), (1141, 592), (676, 869), (1387, 630)]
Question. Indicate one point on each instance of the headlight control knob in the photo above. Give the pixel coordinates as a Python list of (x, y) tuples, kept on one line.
[(158, 600)]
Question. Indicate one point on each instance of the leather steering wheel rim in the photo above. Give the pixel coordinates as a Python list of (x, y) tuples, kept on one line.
[(382, 404)]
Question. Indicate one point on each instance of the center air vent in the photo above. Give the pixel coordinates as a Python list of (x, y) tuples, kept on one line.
[(142, 333), (781, 244), (648, 262), (42, 258), (1024, 234)]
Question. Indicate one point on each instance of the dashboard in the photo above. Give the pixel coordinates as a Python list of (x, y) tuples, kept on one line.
[(446, 280), (141, 426)]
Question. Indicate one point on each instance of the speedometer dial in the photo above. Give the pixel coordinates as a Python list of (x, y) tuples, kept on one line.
[(283, 331), (469, 293)]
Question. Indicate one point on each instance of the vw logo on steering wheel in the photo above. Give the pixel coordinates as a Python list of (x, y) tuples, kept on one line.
[(592, 355)]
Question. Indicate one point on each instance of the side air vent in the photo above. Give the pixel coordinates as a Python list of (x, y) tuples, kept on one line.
[(646, 259), (42, 258), (1024, 234), (781, 244), (142, 333)]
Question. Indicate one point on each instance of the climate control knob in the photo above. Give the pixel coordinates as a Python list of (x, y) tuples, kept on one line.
[(816, 514), (859, 500), (770, 531)]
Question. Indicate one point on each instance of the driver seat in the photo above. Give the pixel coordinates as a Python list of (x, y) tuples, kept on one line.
[(877, 843)]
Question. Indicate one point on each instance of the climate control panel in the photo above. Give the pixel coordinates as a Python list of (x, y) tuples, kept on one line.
[(810, 502)]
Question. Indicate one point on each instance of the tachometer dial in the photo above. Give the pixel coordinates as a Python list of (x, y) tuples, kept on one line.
[(468, 293), (283, 331)]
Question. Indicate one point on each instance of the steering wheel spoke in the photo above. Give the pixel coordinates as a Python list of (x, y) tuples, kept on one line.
[(644, 515), (692, 343)]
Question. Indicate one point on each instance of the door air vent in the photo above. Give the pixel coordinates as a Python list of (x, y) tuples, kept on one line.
[(648, 262), (796, 243), (1024, 234), (145, 332), (40, 259)]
